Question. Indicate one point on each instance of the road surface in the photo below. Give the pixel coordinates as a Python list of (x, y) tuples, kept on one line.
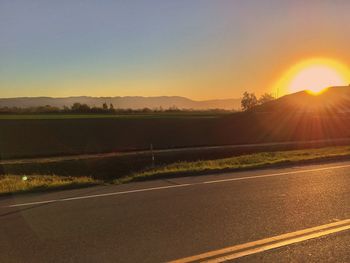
[(296, 214)]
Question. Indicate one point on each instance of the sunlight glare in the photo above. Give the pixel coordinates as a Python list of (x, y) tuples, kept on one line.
[(314, 75)]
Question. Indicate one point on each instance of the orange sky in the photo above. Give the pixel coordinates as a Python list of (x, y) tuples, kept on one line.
[(198, 49)]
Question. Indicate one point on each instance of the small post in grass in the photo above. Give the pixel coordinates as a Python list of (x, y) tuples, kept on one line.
[(152, 154)]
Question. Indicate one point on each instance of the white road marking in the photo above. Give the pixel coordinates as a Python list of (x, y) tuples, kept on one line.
[(262, 245), (277, 174), (180, 185), (99, 195)]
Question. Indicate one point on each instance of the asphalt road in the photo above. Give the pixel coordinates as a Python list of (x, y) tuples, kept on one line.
[(165, 220)]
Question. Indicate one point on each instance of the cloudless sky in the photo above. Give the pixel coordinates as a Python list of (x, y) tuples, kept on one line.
[(201, 49)]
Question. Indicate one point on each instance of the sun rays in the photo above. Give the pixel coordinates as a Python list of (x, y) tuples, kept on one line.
[(314, 75)]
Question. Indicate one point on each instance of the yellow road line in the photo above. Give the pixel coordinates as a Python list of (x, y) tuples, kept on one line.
[(267, 243)]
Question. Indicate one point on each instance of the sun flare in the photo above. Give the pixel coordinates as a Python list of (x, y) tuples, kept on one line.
[(313, 75)]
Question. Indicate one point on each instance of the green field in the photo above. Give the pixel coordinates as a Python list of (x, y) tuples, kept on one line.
[(56, 135), (47, 135)]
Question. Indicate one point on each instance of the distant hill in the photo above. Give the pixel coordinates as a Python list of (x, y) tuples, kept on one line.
[(334, 99), (124, 102)]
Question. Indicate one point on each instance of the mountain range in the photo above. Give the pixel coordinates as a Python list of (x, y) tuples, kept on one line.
[(135, 102)]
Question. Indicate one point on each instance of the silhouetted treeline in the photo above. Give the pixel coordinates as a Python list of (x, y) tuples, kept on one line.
[(78, 108)]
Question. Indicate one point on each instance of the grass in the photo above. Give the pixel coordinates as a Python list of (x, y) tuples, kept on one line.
[(16, 184), (256, 160), (34, 183)]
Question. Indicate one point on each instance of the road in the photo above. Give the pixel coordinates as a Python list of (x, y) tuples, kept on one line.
[(295, 214)]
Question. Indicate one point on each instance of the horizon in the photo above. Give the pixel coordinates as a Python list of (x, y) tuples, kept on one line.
[(200, 50), (84, 96), (165, 96)]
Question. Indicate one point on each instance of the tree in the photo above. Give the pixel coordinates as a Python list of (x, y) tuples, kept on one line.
[(111, 107), (248, 101), (105, 106), (77, 107), (266, 97)]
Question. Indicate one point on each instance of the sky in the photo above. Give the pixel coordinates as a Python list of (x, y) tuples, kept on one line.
[(200, 49)]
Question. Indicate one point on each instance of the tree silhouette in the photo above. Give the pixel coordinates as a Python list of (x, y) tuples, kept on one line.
[(78, 107), (248, 101), (105, 106), (266, 97)]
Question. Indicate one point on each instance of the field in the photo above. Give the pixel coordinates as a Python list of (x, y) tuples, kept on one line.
[(58, 116), (47, 135), (120, 144), (55, 135)]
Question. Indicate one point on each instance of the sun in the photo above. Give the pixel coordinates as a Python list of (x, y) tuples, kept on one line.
[(314, 75)]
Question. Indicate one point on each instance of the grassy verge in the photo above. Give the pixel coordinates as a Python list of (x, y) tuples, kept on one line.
[(250, 161), (33, 183), (16, 184)]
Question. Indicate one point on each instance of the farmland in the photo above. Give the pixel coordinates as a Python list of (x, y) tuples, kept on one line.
[(124, 140), (47, 135), (25, 136), (58, 116)]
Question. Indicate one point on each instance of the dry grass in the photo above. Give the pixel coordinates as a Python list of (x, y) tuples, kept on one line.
[(16, 184), (249, 161)]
